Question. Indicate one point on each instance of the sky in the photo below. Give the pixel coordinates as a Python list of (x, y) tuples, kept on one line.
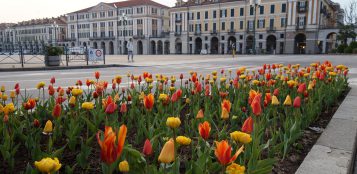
[(20, 10)]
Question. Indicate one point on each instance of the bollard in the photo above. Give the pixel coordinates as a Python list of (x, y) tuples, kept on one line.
[(21, 57), (67, 56), (86, 55), (104, 57)]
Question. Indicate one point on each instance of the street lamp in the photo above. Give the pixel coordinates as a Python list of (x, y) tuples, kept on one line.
[(255, 4), (55, 27)]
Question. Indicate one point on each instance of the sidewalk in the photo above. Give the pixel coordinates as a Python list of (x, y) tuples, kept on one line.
[(334, 151)]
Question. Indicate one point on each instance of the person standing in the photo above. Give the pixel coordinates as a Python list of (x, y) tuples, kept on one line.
[(233, 49), (130, 48)]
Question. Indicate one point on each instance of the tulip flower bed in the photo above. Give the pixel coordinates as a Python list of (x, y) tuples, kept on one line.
[(224, 122)]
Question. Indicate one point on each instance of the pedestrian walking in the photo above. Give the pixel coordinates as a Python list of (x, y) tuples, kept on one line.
[(130, 48), (233, 49)]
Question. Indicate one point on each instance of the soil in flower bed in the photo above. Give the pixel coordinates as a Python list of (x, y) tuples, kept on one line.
[(308, 139)]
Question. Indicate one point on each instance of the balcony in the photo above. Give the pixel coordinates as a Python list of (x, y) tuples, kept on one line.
[(232, 32), (197, 33), (271, 29), (102, 38), (250, 30), (162, 35), (177, 33), (69, 39), (300, 27), (139, 36), (302, 8), (214, 32)]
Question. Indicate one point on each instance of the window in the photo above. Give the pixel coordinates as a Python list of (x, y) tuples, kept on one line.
[(250, 25), (206, 14), (272, 9), (261, 9), (111, 34), (110, 13), (206, 26), (271, 25), (198, 15), (214, 14), (102, 34), (139, 21), (154, 10), (94, 15), (241, 24), (223, 26), (191, 27), (261, 23), (282, 36), (102, 14), (139, 10), (214, 27), (102, 24), (283, 8), (110, 24), (232, 12), (241, 11), (302, 20), (71, 18), (87, 16), (283, 22), (232, 26), (260, 36), (95, 34)]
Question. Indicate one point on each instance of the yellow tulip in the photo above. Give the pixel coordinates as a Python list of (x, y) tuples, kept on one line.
[(48, 127), (4, 97), (77, 92), (72, 101), (274, 100), (163, 97), (9, 108), (235, 169), (182, 140), (241, 137), (173, 122), (48, 165), (40, 85), (88, 105), (167, 154), (2, 88), (124, 166), (255, 82), (223, 79), (287, 101), (224, 114), (12, 94), (1, 108)]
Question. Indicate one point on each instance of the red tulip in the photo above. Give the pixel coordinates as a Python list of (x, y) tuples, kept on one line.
[(17, 86), (149, 102), (302, 88), (53, 80), (297, 102), (30, 104), (223, 152), (97, 75), (248, 125), (123, 108), (111, 108), (181, 76), (51, 90), (147, 150), (114, 86), (256, 106), (56, 112), (276, 92), (36, 123), (79, 83)]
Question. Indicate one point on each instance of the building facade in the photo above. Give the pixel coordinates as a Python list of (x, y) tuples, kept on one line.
[(190, 27), (282, 26), (109, 26), (32, 35)]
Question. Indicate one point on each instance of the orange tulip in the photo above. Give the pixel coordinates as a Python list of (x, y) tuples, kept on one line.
[(223, 152), (248, 125), (204, 129), (200, 114), (226, 108), (167, 154), (256, 107), (149, 102), (30, 104), (110, 148)]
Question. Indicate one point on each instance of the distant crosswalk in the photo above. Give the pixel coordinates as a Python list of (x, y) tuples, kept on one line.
[(206, 66)]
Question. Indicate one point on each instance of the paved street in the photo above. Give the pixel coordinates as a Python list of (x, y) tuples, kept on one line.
[(167, 65)]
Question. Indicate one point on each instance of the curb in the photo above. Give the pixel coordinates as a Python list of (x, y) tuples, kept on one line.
[(62, 68), (334, 152)]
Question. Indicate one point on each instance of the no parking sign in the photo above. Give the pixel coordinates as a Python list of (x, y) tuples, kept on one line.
[(95, 54)]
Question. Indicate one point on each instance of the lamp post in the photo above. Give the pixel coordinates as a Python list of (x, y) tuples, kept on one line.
[(55, 27), (255, 4), (123, 20)]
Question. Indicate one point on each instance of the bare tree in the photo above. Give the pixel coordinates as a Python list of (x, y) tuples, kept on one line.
[(351, 13)]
